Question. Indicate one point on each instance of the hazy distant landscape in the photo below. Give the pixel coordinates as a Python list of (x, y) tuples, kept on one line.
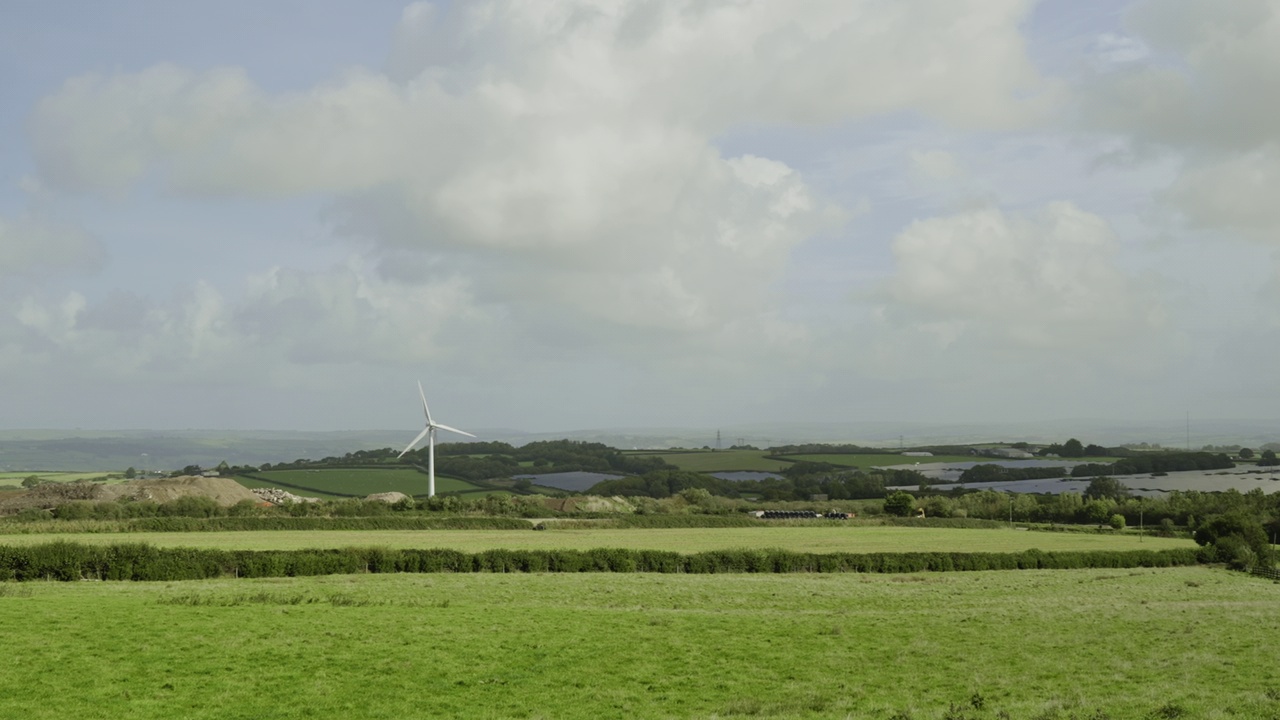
[(77, 450)]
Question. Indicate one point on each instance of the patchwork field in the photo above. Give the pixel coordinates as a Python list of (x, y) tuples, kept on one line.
[(880, 460), (731, 460), (14, 479), (722, 460), (855, 539), (356, 482), (1170, 643)]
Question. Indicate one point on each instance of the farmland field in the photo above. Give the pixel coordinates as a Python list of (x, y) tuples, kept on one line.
[(722, 460), (1183, 642), (357, 482), (854, 539), (880, 460), (14, 479)]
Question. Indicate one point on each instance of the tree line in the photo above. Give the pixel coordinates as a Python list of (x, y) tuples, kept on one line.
[(490, 460)]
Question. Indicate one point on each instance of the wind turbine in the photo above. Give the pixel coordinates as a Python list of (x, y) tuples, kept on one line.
[(429, 432)]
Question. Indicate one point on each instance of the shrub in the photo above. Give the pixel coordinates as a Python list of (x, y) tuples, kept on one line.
[(1224, 533), (900, 504), (242, 508), (34, 515), (78, 510), (1117, 521), (108, 511)]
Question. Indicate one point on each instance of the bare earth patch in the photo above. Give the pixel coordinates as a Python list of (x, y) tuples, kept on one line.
[(224, 491)]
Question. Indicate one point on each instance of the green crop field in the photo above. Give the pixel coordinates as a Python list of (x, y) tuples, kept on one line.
[(856, 539), (722, 460), (1170, 643), (880, 459), (15, 479), (358, 482)]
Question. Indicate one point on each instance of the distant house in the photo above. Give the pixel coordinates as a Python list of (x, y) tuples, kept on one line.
[(917, 453)]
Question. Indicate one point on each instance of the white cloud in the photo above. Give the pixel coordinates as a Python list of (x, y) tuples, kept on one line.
[(549, 184), (57, 323), (935, 165), (1039, 280), (1205, 94), (1209, 83), (286, 319), (567, 148), (34, 244), (1113, 49), (1237, 191)]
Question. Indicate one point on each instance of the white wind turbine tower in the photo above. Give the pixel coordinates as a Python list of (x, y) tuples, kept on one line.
[(429, 432)]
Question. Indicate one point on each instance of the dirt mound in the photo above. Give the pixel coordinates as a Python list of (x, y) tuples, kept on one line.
[(591, 503), (389, 498), (224, 491)]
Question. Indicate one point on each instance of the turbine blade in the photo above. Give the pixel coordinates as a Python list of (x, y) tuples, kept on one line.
[(423, 395), (415, 441), (454, 430)]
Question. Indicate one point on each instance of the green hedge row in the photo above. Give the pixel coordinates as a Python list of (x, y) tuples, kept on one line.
[(384, 522), (216, 524), (137, 561)]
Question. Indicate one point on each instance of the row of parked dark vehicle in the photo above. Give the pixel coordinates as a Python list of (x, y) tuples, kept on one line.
[(798, 514)]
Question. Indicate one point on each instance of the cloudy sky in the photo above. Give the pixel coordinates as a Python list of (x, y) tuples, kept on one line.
[(568, 214)]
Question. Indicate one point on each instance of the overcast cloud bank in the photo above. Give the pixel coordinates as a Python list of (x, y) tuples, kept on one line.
[(590, 214)]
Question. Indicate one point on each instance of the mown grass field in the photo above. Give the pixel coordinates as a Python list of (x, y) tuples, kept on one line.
[(358, 482), (14, 479), (1184, 642), (856, 539), (881, 459), (722, 460)]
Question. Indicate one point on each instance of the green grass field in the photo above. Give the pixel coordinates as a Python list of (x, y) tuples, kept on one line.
[(881, 460), (857, 539), (14, 479), (359, 482), (722, 460), (1170, 643)]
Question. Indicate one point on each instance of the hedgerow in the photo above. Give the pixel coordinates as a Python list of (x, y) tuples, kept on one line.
[(267, 522), (65, 561)]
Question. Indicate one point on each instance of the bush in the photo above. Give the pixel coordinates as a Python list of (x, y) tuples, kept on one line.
[(78, 510), (242, 508), (108, 511), (1224, 534), (194, 506), (900, 504), (1117, 522), (1235, 552)]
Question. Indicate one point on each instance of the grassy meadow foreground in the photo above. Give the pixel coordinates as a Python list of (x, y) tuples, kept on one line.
[(817, 539), (658, 594), (1190, 642)]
